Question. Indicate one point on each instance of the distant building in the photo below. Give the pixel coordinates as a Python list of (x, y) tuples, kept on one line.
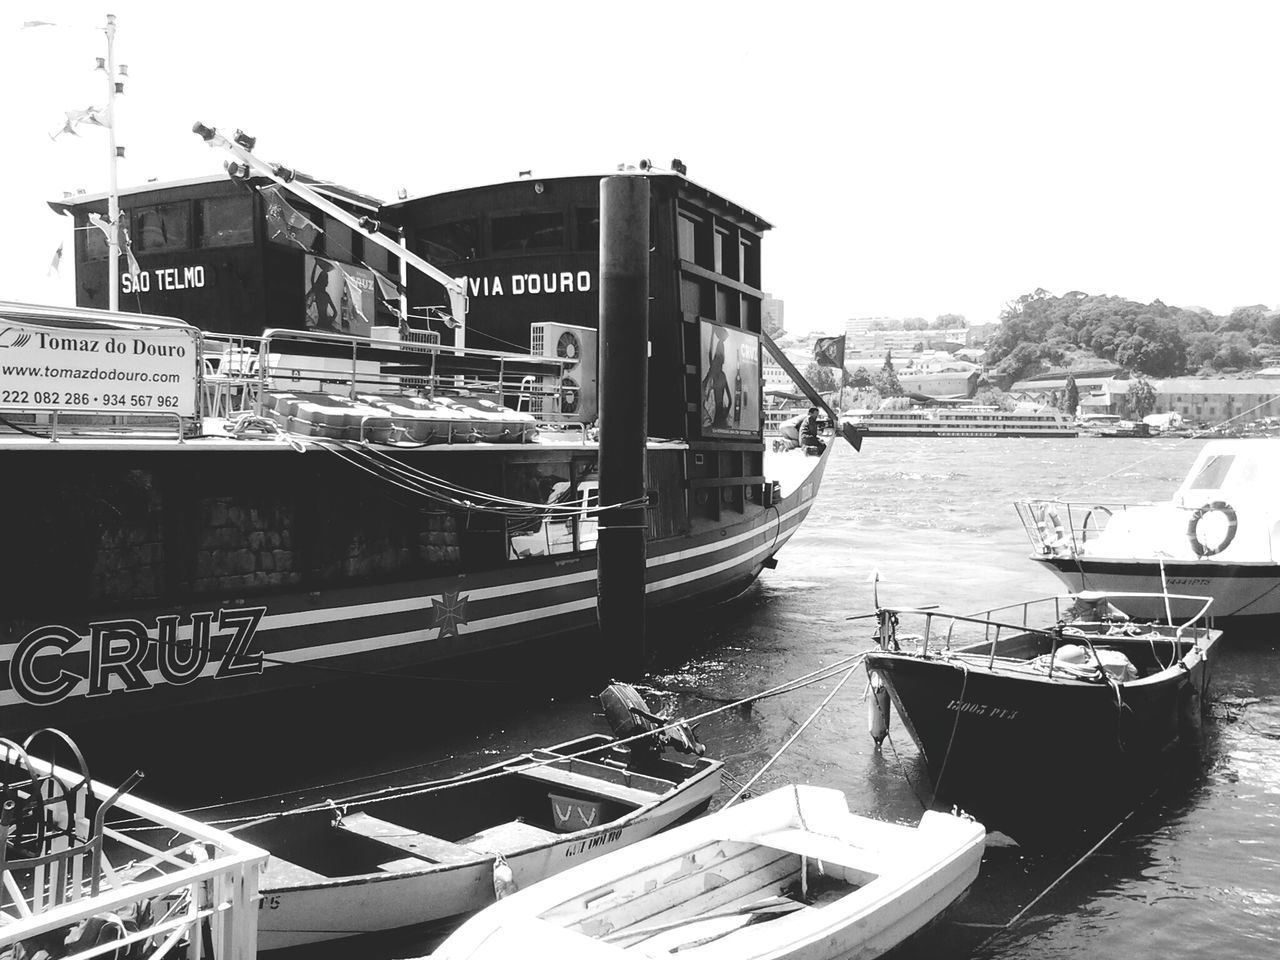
[(1209, 401), (980, 334), (771, 316), (1216, 401), (775, 378), (876, 336)]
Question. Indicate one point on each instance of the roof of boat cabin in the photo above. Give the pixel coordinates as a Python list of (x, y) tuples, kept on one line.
[(334, 191), (707, 196)]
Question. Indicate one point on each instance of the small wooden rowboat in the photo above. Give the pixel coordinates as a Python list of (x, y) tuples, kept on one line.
[(421, 854), (790, 874)]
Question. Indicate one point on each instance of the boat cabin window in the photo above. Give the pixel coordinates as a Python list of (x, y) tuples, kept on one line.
[(720, 240), (693, 239), (527, 231), (748, 261), (225, 221), (449, 242), (376, 257), (339, 242), (164, 227), (1213, 473), (588, 236), (563, 483)]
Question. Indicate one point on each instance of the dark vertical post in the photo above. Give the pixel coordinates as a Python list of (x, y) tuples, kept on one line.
[(624, 378)]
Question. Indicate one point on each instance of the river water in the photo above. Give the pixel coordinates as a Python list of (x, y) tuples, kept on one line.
[(1194, 871)]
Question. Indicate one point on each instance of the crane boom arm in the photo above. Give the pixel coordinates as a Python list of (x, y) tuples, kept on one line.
[(285, 177)]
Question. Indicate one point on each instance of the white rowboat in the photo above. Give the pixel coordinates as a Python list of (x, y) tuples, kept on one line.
[(792, 874)]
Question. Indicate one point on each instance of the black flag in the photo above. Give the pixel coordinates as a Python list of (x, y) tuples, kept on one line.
[(829, 351)]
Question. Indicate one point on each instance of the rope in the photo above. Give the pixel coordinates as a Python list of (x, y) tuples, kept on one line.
[(937, 784), (413, 790), (792, 739), (1199, 435), (1018, 917), (903, 768)]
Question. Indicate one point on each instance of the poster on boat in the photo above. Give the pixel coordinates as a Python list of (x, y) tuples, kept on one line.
[(71, 369), (339, 297), (729, 364)]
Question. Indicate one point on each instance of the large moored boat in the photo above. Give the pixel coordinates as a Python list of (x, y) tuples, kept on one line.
[(328, 476)]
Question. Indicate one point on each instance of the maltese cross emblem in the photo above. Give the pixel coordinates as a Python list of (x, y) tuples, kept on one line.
[(448, 613)]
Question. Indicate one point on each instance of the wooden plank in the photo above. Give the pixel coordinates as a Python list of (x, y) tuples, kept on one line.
[(827, 849), (647, 877), (748, 877), (421, 845), (589, 785), (510, 837)]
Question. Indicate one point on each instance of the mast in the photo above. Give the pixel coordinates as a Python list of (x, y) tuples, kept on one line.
[(113, 192), (241, 147)]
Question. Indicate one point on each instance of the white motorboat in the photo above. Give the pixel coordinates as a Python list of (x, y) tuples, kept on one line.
[(790, 874), (1217, 536)]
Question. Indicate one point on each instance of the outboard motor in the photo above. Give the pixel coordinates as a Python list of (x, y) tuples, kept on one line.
[(629, 716)]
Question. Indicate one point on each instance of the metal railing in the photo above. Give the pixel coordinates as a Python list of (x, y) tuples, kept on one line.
[(239, 370), (191, 884), (1063, 528), (1054, 618)]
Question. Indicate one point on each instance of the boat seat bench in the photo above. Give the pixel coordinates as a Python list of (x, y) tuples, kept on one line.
[(632, 796), (419, 845), (827, 849)]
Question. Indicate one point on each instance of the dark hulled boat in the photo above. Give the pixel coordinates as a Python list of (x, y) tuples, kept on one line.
[(1038, 731), (351, 487)]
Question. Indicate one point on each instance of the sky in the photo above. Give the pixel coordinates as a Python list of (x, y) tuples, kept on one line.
[(915, 159)]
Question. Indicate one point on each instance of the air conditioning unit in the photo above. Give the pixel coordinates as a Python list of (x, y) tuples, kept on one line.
[(420, 336), (571, 396)]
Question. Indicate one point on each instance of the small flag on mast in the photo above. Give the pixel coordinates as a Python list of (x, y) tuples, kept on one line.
[(55, 266), (122, 238), (94, 116)]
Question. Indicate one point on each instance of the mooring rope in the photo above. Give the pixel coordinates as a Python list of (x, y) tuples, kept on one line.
[(402, 792), (792, 739), (1012, 924)]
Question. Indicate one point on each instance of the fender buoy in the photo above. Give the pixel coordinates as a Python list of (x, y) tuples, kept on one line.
[(878, 709), (1198, 546)]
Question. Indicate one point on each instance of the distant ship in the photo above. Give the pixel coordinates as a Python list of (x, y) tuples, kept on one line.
[(960, 422)]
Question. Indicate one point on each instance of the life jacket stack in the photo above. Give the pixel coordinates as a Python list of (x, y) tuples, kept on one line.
[(399, 418)]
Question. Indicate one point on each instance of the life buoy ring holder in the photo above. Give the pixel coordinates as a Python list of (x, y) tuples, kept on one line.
[(1198, 546)]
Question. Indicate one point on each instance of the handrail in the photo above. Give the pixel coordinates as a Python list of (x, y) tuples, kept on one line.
[(211, 873)]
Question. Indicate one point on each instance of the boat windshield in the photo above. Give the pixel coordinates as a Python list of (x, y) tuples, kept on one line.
[(1212, 474)]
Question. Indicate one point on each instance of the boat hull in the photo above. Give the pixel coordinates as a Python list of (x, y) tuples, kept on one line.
[(1245, 595), (1028, 755), (61, 669), (291, 916)]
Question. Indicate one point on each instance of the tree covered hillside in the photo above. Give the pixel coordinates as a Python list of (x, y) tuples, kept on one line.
[(1039, 331)]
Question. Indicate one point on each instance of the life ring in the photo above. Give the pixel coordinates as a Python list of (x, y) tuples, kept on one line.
[(1053, 532), (1198, 546)]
